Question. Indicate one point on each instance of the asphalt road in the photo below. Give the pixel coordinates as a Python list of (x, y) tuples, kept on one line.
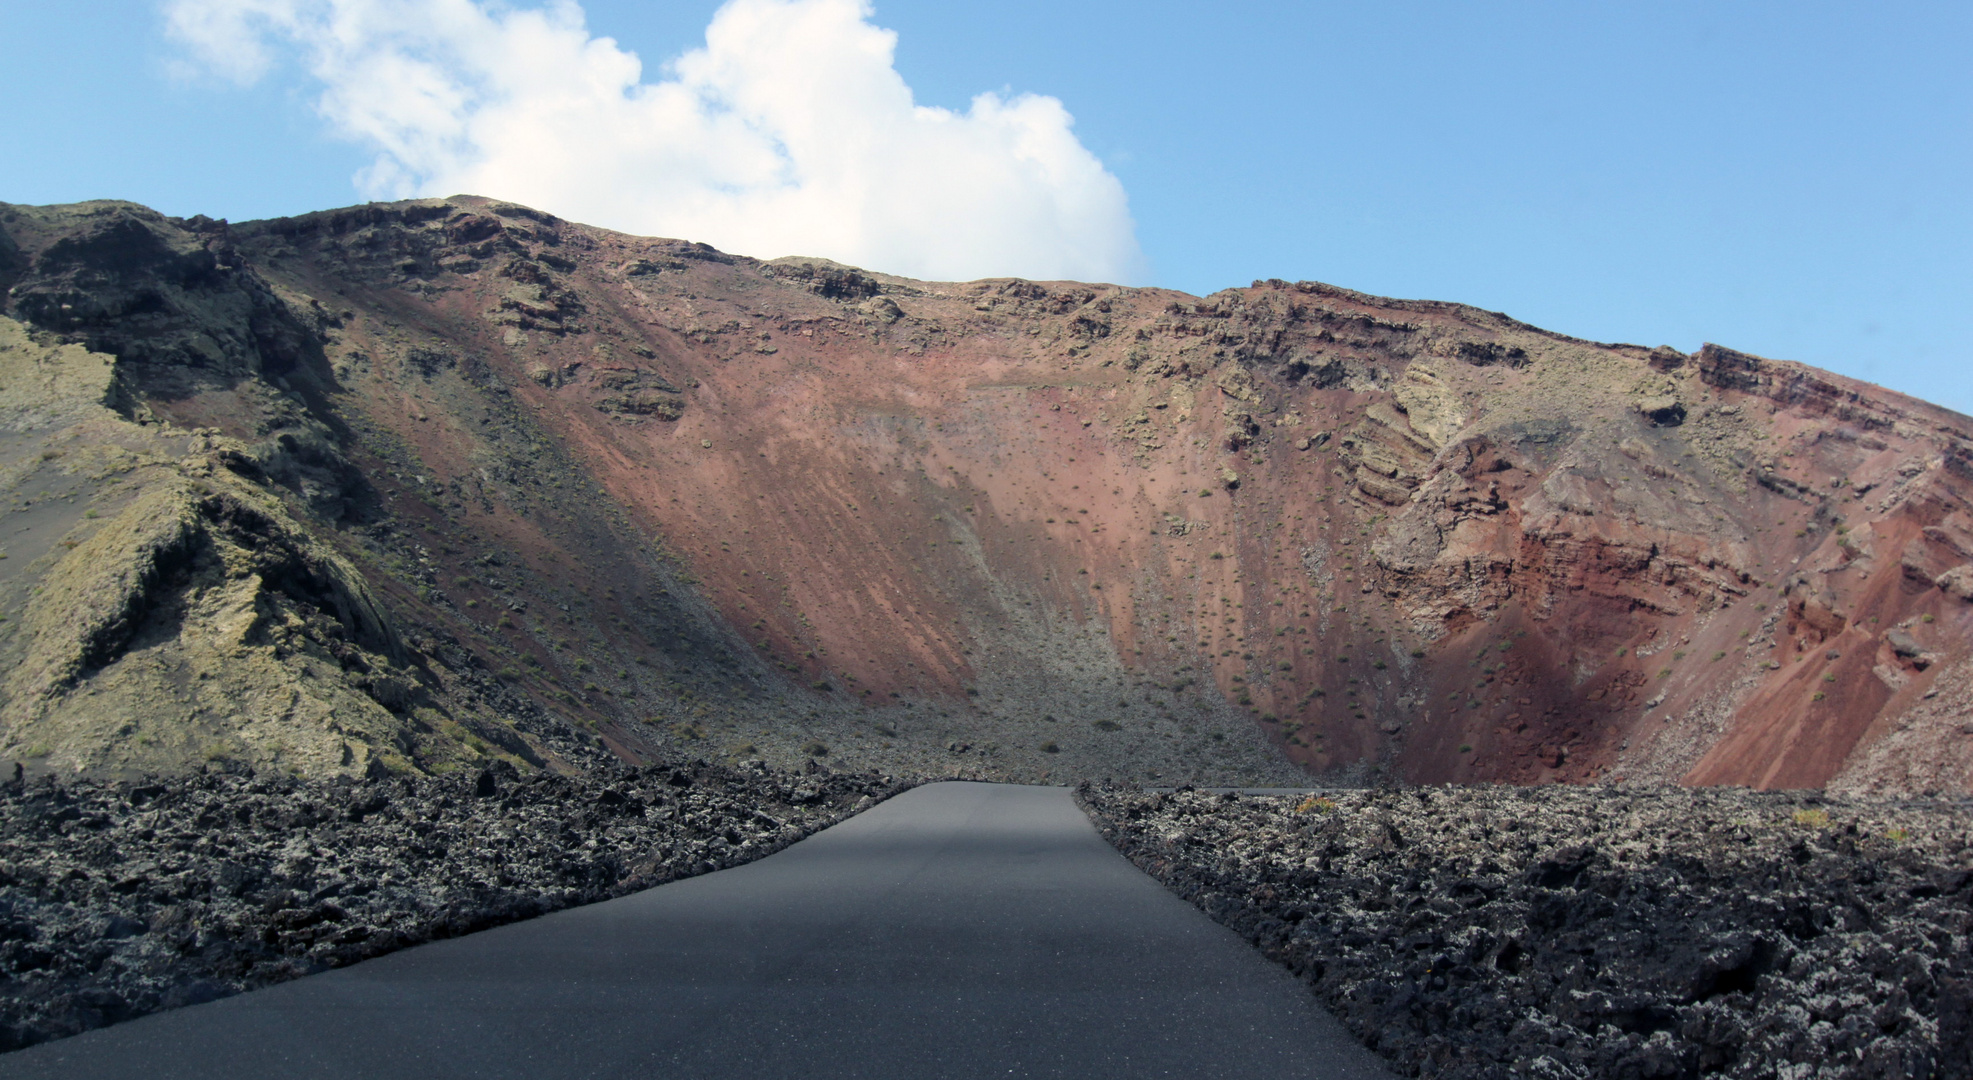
[(958, 930)]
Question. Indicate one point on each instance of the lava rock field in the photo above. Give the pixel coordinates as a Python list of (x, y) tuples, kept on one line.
[(118, 900), (1594, 932)]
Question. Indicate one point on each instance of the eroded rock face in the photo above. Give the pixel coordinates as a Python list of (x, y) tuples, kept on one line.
[(1593, 932), (119, 900), (657, 494), (124, 279), (165, 607)]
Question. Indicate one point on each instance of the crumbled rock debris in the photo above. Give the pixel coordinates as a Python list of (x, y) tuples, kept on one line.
[(120, 899), (1594, 932)]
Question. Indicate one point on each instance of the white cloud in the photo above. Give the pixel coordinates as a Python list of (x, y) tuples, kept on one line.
[(789, 132)]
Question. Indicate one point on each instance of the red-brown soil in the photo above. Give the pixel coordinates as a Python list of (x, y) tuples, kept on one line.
[(1077, 529)]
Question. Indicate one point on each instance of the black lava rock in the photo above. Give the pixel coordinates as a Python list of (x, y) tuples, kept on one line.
[(118, 900), (1570, 932)]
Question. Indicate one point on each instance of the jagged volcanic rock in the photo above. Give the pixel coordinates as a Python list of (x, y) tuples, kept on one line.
[(1594, 931), (122, 899)]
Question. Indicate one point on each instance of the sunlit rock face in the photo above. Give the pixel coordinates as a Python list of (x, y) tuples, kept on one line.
[(565, 492)]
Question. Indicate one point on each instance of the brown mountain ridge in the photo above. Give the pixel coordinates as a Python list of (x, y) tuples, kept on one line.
[(419, 485)]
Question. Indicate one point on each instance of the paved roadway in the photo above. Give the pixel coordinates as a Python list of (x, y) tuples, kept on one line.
[(958, 930)]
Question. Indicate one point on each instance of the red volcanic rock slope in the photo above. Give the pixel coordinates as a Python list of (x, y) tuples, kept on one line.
[(1045, 528)]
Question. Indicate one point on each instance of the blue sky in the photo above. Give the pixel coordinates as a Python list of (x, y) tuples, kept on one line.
[(1787, 179)]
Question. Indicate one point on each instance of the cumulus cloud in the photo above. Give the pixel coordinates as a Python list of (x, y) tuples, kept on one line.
[(788, 132)]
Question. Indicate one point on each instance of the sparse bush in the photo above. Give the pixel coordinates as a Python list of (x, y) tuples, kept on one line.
[(1812, 819), (815, 748), (1107, 725), (1316, 804), (1050, 748)]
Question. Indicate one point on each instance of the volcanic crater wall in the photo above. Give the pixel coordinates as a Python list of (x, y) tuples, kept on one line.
[(640, 492)]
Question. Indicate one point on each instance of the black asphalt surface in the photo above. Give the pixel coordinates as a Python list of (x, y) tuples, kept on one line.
[(958, 930)]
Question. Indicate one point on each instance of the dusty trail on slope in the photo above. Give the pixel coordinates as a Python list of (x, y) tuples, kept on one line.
[(958, 930)]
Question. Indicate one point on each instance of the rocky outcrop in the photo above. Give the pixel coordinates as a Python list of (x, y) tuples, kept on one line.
[(167, 609), (123, 279)]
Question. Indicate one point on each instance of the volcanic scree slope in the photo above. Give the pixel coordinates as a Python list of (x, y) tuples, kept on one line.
[(426, 484)]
